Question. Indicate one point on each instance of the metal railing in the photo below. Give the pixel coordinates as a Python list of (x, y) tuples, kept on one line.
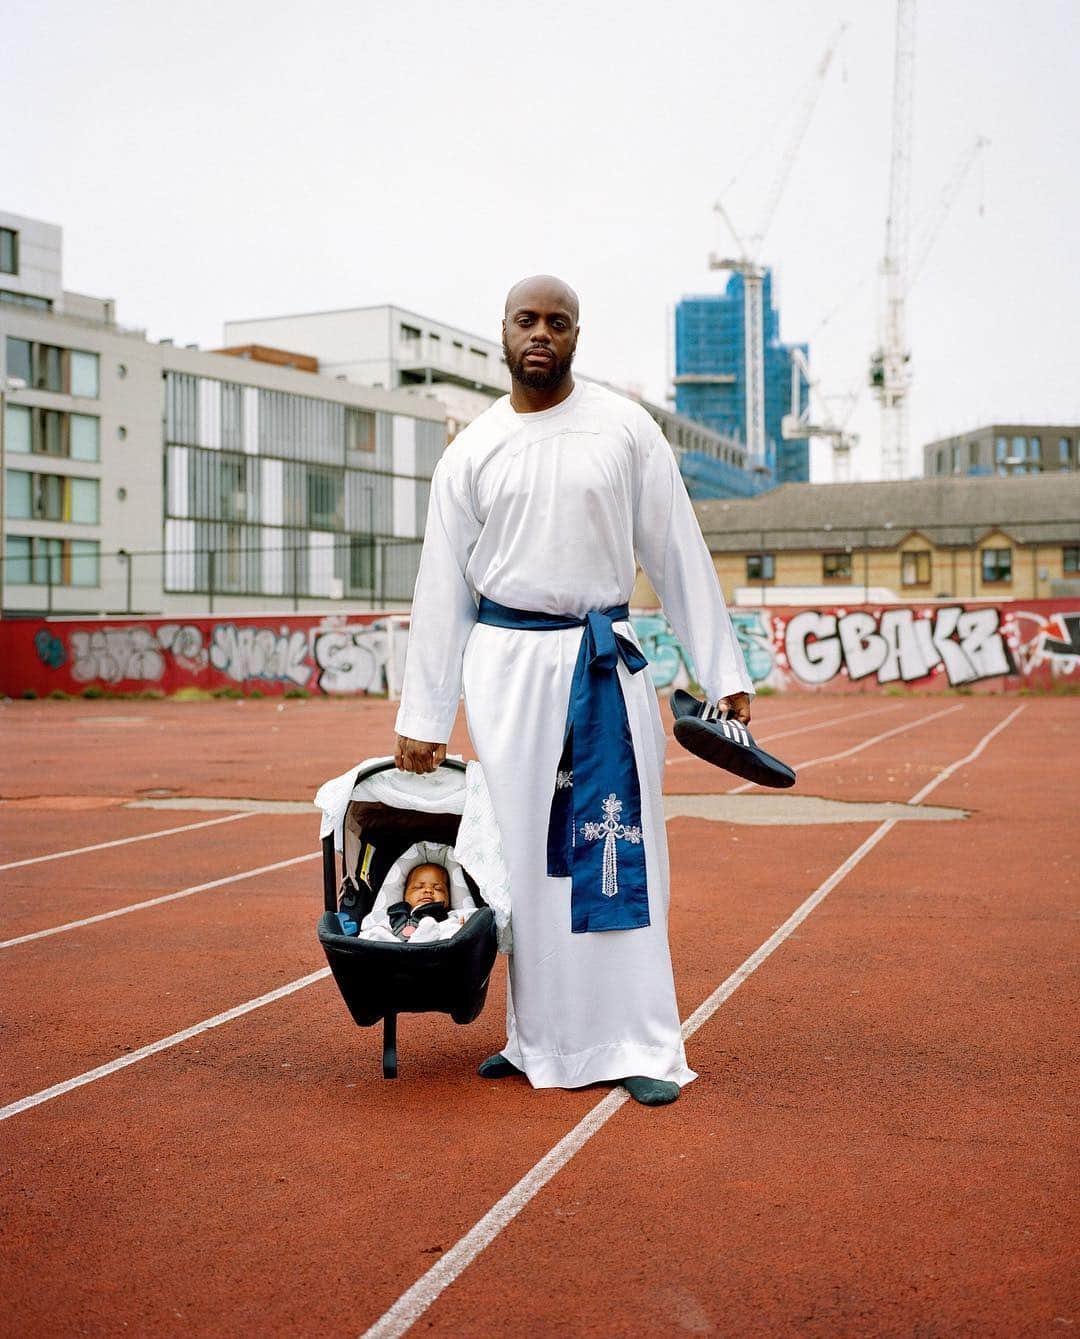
[(356, 571)]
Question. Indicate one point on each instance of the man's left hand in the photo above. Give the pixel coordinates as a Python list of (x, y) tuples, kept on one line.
[(738, 705)]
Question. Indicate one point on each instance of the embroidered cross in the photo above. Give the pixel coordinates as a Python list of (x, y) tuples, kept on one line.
[(610, 828)]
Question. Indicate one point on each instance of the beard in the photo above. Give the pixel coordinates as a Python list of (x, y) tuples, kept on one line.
[(538, 378)]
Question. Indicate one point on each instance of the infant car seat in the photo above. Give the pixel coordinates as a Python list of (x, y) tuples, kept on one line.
[(380, 980)]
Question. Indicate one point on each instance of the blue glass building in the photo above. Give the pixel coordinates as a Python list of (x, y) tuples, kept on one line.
[(710, 345)]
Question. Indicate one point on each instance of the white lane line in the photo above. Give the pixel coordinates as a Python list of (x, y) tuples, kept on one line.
[(124, 841), (803, 729), (157, 901), (856, 748), (412, 1304), (133, 1057)]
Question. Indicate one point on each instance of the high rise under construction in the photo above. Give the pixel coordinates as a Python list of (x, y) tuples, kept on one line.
[(710, 372)]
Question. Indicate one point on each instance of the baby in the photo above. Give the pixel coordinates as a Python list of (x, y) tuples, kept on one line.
[(427, 895)]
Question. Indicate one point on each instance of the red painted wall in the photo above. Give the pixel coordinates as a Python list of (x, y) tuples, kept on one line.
[(996, 647)]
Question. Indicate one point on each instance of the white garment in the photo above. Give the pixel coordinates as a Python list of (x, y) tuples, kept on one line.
[(545, 512)]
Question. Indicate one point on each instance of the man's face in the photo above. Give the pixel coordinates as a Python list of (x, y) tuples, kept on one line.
[(427, 883), (539, 335)]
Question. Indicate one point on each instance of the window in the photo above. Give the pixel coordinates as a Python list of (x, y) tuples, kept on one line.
[(836, 566), (1064, 454), (941, 462), (17, 550), (9, 251), (20, 359), (915, 569), (84, 500), (409, 333), (359, 430), (324, 499), (25, 300), (996, 565), (233, 483), (478, 353), (49, 368), (17, 495), (361, 562), (84, 374), (1034, 448), (84, 557), (18, 429), (51, 432), (49, 374), (973, 455), (760, 567), (51, 438), (1001, 448), (32, 560), (956, 460), (51, 497), (1070, 559)]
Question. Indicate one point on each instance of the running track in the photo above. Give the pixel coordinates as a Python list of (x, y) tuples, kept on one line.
[(878, 1144)]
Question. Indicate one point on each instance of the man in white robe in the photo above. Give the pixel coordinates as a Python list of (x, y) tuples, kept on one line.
[(541, 504)]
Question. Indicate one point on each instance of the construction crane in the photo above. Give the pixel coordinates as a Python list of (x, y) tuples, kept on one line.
[(801, 422), (747, 264), (889, 370)]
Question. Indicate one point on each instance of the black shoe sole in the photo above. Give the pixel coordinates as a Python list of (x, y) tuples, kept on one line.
[(706, 741)]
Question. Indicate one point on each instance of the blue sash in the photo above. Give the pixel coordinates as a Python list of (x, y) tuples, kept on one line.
[(594, 830)]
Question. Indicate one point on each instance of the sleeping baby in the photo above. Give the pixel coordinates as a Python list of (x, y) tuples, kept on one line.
[(427, 897), (425, 909)]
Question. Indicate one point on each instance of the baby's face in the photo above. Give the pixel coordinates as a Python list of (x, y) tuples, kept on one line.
[(427, 883)]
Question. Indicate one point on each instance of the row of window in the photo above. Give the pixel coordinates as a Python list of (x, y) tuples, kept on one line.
[(47, 367), (51, 432), (1018, 455), (33, 561), (916, 566), (51, 497)]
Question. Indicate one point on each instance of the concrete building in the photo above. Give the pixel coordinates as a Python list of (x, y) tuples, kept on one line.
[(141, 477), (391, 348), (915, 539), (710, 372), (1005, 449)]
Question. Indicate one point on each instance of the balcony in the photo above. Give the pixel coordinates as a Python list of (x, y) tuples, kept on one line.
[(428, 359)]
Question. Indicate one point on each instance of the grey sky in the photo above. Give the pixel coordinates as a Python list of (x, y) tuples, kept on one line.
[(228, 159)]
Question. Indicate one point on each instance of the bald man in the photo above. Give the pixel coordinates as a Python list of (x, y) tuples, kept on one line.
[(540, 510)]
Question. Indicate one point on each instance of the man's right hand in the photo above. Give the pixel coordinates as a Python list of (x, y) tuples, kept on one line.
[(416, 755)]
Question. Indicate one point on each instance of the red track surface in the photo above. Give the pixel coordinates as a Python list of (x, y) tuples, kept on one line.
[(878, 1143)]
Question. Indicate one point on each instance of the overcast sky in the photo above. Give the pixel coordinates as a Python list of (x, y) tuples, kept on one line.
[(226, 158)]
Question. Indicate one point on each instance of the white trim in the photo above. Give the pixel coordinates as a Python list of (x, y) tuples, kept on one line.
[(159, 901), (124, 841), (133, 1057)]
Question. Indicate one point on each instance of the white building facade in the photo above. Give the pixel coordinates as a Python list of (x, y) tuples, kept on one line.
[(140, 477)]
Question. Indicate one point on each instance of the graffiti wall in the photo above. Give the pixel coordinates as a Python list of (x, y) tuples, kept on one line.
[(316, 654), (989, 647), (993, 647)]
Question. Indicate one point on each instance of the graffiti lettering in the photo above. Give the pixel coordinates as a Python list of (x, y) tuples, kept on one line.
[(670, 665), (894, 644), (112, 654), (260, 653)]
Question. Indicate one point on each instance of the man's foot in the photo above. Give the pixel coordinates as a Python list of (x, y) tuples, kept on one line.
[(497, 1067), (649, 1092)]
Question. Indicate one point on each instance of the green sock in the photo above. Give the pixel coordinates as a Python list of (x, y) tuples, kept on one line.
[(497, 1067), (650, 1092)]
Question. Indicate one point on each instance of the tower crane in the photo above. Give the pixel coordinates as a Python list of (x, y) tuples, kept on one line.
[(799, 423), (747, 263), (889, 372)]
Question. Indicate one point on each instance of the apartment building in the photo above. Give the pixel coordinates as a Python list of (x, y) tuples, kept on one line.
[(143, 477), (1005, 449)]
